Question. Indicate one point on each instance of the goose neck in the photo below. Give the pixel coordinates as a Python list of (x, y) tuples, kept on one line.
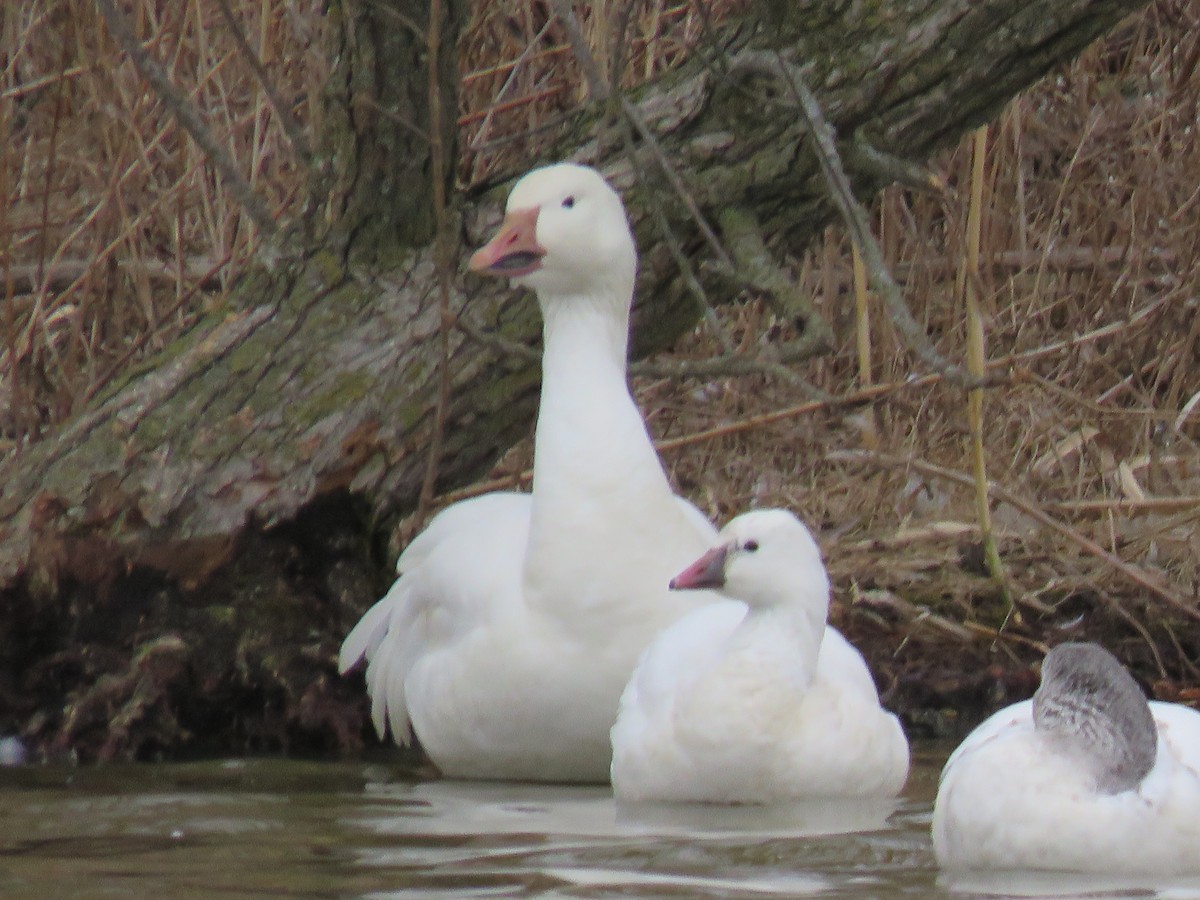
[(602, 505), (583, 334), (800, 620)]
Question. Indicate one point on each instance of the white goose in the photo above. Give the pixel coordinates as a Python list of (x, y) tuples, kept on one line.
[(755, 701), (1085, 777), (517, 618)]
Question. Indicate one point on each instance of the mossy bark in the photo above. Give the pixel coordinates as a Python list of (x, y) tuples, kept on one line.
[(179, 563)]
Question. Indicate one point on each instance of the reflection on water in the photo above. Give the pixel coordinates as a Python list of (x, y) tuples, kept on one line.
[(578, 842), (293, 829), (1065, 884)]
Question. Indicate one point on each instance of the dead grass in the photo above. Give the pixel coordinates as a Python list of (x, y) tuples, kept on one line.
[(114, 230), (1089, 281), (114, 234)]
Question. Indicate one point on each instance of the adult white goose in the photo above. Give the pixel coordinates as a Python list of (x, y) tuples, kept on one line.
[(517, 618), (759, 700), (1086, 777)]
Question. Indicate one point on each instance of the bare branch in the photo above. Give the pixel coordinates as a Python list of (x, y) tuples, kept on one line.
[(286, 120), (729, 365), (855, 216), (443, 252), (597, 86), (602, 92), (1030, 508), (186, 114), (478, 142), (758, 269)]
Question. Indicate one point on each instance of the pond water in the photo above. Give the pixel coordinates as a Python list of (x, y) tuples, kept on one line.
[(340, 829)]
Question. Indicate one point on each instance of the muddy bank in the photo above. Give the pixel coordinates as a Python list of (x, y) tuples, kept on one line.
[(143, 669)]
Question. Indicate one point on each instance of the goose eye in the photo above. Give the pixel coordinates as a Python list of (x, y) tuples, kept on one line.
[(750, 546), (568, 203)]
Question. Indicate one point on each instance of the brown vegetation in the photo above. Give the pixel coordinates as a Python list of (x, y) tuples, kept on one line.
[(115, 234), (1088, 282)]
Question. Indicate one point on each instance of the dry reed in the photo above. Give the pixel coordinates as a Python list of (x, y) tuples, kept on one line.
[(115, 234)]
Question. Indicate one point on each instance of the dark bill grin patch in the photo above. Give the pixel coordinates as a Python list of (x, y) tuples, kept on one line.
[(522, 259)]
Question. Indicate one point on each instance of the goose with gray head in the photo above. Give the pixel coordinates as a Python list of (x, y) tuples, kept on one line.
[(1086, 777), (516, 618), (755, 699)]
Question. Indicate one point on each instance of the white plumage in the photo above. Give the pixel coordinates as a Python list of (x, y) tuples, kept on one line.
[(516, 619), (1086, 777), (756, 699)]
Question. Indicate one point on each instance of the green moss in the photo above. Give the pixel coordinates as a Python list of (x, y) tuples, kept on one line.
[(495, 394), (328, 269), (244, 357), (343, 393)]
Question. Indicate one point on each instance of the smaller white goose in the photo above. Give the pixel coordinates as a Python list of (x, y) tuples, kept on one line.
[(1085, 777), (755, 699)]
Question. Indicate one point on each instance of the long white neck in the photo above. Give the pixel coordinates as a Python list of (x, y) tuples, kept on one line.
[(795, 624), (767, 663), (601, 500)]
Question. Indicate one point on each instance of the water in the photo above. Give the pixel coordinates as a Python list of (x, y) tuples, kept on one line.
[(294, 829)]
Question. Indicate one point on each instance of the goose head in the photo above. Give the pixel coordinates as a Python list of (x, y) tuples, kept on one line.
[(764, 558), (565, 233), (1090, 706)]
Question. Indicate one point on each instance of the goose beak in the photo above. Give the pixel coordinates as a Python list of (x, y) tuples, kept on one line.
[(706, 572), (514, 251)]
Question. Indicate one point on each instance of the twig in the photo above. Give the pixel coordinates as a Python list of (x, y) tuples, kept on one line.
[(862, 317), (862, 340), (689, 277), (185, 113), (1126, 507), (676, 182), (877, 598), (757, 269), (51, 155), (130, 226), (977, 366), (1133, 573), (287, 121), (597, 85), (442, 252), (136, 344), (489, 114), (729, 365), (1077, 258), (856, 221), (853, 399), (16, 385), (603, 93), (616, 63), (27, 278), (920, 615)]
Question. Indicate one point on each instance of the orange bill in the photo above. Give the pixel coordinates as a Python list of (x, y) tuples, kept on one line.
[(514, 251)]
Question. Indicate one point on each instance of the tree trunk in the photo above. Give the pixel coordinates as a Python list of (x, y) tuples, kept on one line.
[(179, 563)]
